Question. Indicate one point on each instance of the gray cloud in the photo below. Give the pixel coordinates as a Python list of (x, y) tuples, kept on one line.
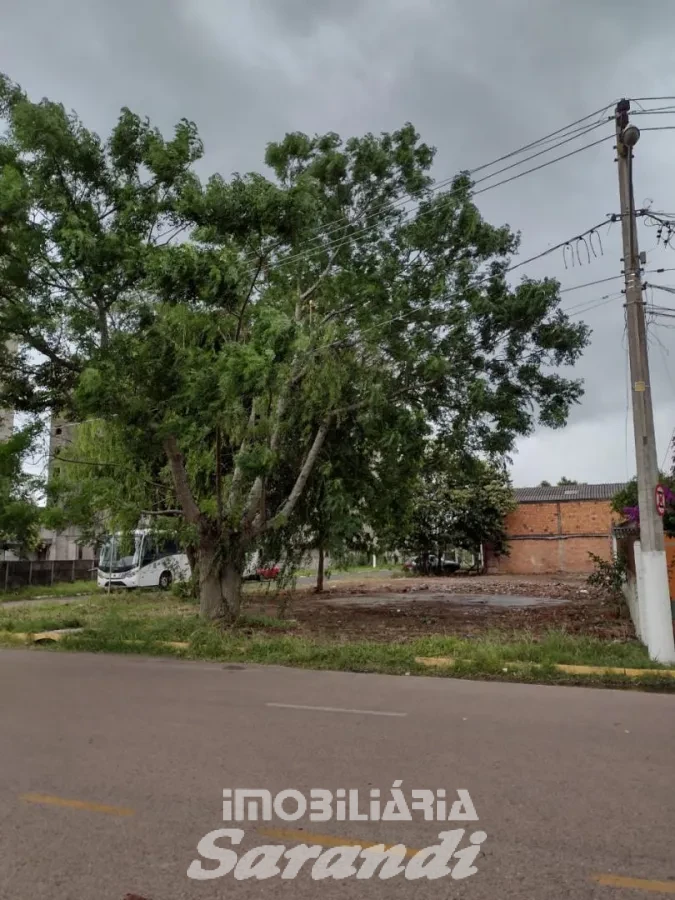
[(476, 79)]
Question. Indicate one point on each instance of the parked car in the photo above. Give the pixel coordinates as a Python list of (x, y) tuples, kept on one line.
[(430, 564)]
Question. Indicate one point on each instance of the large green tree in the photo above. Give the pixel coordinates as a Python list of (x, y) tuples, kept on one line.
[(460, 502), (359, 489), (227, 328), (20, 514)]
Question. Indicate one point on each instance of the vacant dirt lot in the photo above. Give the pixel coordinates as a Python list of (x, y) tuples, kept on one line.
[(398, 609)]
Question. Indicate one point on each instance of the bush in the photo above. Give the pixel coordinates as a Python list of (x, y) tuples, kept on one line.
[(185, 590), (610, 576)]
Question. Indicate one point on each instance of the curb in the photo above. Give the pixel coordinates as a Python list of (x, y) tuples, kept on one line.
[(40, 636), (448, 662)]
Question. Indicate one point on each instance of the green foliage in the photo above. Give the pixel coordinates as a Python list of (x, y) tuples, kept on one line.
[(625, 502), (610, 575), (20, 515), (461, 502), (226, 332)]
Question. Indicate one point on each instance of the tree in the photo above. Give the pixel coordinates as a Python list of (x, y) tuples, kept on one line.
[(226, 359), (19, 511), (359, 489), (461, 503), (566, 481), (544, 484)]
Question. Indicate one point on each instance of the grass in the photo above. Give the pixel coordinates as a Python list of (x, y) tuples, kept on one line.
[(61, 589), (138, 623)]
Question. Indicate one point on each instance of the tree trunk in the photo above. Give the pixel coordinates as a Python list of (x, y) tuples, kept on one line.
[(219, 585), (191, 553), (319, 572)]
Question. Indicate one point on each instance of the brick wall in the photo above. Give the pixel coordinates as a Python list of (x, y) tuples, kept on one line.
[(555, 537)]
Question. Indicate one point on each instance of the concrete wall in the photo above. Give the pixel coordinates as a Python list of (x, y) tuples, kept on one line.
[(555, 537)]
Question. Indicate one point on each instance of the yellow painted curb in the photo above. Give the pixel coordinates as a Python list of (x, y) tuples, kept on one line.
[(177, 645), (612, 670), (26, 638), (18, 636), (56, 635), (447, 662)]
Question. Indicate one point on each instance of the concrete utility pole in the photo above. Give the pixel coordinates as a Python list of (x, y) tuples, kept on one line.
[(653, 591)]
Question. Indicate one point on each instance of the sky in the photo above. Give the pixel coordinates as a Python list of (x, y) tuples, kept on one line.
[(477, 80)]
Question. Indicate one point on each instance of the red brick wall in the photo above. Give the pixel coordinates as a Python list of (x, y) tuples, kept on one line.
[(555, 537)]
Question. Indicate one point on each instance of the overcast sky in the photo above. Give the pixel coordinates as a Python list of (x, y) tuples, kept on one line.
[(476, 79)]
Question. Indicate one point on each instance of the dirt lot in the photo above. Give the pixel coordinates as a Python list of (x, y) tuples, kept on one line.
[(400, 609)]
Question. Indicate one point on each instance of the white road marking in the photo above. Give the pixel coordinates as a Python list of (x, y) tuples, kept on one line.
[(337, 709)]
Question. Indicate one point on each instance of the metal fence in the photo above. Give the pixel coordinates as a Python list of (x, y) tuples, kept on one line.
[(15, 574)]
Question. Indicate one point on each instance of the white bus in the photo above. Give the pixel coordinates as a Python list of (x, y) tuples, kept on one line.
[(141, 560), (146, 560)]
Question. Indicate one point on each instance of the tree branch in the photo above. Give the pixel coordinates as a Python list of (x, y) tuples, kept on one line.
[(39, 344), (248, 297), (310, 290), (238, 474), (183, 492), (287, 508)]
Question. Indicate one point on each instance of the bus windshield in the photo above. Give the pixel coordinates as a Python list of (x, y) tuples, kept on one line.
[(119, 553)]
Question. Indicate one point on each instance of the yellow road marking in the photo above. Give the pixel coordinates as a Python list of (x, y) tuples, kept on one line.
[(636, 884), (325, 840), (48, 800), (449, 661)]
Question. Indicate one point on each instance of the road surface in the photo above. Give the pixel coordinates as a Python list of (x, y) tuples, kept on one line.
[(112, 769)]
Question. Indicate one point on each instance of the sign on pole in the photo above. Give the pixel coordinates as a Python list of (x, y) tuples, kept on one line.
[(660, 499)]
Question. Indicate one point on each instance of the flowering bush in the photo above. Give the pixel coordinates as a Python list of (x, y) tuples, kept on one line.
[(625, 502)]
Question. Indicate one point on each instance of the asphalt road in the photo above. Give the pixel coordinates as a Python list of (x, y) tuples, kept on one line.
[(112, 769)]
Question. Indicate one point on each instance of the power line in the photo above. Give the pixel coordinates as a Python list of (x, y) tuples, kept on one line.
[(608, 298), (577, 287), (663, 111), (541, 153), (337, 227), (544, 165), (548, 138), (342, 241), (479, 281)]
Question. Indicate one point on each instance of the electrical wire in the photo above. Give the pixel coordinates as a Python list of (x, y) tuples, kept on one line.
[(662, 111), (539, 153), (335, 245), (337, 227), (603, 301), (544, 165), (577, 287), (479, 281), (553, 134)]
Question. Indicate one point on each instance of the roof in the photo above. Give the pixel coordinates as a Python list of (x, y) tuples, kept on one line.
[(567, 492)]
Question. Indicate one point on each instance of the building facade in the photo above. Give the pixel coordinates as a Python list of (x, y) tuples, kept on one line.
[(554, 529)]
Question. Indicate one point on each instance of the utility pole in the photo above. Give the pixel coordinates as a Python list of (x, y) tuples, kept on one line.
[(652, 582)]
